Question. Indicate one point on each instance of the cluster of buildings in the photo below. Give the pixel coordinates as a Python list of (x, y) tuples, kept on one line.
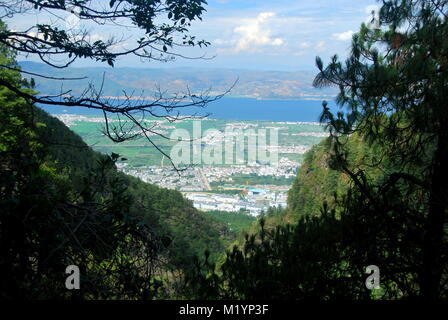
[(285, 168), (71, 119), (199, 178), (254, 201), (191, 183), (297, 149), (166, 177)]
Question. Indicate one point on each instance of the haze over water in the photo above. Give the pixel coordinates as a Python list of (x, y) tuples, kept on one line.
[(239, 109)]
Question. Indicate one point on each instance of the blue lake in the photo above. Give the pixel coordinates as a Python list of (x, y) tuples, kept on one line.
[(239, 109)]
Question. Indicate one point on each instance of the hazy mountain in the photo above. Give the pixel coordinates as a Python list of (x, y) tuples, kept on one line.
[(145, 81)]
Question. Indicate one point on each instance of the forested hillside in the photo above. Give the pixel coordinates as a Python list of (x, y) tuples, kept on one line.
[(319, 182), (62, 203)]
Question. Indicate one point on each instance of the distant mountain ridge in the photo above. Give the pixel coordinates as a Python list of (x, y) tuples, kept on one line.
[(145, 81)]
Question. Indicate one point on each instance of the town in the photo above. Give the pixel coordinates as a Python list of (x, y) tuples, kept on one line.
[(251, 186), (194, 183)]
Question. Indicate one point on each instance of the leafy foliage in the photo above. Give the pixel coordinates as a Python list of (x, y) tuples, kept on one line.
[(47, 40)]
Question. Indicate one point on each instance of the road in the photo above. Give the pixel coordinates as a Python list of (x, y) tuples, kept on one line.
[(204, 180)]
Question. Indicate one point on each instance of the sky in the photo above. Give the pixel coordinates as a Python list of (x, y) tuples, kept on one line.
[(283, 35)]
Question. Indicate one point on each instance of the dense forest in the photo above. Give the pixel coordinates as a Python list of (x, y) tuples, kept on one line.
[(375, 192)]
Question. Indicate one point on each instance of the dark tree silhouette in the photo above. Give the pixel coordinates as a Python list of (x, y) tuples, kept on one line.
[(394, 87)]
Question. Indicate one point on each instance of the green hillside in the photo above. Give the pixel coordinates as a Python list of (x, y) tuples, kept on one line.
[(319, 181), (67, 204)]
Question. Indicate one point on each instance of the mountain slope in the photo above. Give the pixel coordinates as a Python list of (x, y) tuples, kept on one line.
[(63, 203), (190, 231)]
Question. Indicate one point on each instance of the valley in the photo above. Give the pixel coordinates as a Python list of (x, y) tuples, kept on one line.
[(251, 178)]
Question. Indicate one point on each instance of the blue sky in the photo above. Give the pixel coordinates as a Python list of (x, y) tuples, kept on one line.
[(281, 34), (264, 34)]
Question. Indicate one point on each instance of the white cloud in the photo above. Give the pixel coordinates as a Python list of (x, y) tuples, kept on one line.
[(277, 42), (344, 36), (222, 42), (255, 33), (320, 46), (300, 29), (35, 35)]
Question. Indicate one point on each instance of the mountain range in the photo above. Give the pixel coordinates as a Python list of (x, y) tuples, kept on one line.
[(118, 82)]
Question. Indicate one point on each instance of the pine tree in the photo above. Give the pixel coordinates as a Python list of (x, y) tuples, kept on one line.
[(393, 87)]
